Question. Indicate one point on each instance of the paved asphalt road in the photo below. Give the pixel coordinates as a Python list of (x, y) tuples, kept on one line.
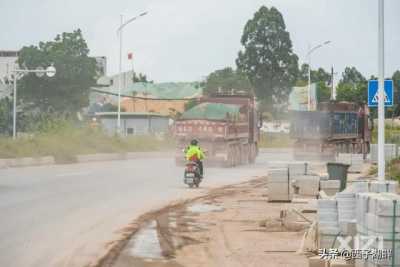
[(63, 215)]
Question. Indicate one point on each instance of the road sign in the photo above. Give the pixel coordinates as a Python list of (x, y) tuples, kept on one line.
[(373, 93)]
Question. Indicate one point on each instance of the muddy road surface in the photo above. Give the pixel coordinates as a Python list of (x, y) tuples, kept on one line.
[(64, 215)]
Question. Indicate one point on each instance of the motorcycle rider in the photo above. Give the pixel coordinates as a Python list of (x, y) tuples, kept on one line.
[(194, 153)]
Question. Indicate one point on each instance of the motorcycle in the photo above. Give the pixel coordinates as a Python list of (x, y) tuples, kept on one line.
[(192, 175)]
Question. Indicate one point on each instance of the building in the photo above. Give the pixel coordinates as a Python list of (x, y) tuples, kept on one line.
[(101, 64), (8, 61), (134, 123), (163, 98)]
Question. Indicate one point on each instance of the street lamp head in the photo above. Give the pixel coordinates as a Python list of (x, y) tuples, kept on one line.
[(40, 72), (327, 42), (143, 14), (51, 71)]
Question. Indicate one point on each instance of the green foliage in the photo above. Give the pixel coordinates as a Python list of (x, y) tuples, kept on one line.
[(225, 80), (320, 77), (267, 58), (352, 87), (64, 140), (138, 78), (191, 103), (396, 85), (275, 140), (5, 116), (68, 90), (323, 92)]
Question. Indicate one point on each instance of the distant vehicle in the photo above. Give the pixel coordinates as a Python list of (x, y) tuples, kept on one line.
[(192, 175), (336, 127), (226, 125), (276, 127)]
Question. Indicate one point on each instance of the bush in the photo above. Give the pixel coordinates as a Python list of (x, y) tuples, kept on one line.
[(64, 140), (275, 140)]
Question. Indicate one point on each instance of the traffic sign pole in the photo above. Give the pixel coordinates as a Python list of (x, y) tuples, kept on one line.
[(381, 100)]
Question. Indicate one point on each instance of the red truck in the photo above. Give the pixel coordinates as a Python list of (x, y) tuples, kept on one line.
[(227, 127)]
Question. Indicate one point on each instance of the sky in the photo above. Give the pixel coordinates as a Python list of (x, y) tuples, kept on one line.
[(185, 40)]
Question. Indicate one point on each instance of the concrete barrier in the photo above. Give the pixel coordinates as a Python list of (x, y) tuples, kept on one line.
[(390, 152), (27, 161), (99, 157), (49, 160)]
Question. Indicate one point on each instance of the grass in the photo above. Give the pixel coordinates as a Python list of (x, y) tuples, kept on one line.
[(67, 142), (392, 170), (275, 140)]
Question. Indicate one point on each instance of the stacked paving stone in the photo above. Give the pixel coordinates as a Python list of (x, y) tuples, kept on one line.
[(328, 224), (279, 187), (378, 222), (390, 152)]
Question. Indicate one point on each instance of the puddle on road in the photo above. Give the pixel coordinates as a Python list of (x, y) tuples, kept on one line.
[(155, 244), (146, 243), (203, 208)]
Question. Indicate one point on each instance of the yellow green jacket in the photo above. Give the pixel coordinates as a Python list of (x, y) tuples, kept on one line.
[(194, 151)]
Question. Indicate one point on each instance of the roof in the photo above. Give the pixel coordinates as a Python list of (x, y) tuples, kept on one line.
[(211, 111), (128, 114), (164, 90)]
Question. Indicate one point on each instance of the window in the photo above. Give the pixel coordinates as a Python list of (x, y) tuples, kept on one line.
[(130, 131)]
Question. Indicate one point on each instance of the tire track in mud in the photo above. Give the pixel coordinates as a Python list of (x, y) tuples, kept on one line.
[(115, 247)]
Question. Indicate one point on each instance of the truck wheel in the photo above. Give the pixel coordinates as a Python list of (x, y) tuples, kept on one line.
[(245, 154), (252, 154)]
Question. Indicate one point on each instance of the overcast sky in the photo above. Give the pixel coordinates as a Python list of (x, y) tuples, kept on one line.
[(184, 40)]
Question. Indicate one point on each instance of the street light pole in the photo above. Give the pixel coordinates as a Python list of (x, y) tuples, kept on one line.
[(120, 77), (50, 72), (381, 100), (310, 51), (15, 106), (119, 31)]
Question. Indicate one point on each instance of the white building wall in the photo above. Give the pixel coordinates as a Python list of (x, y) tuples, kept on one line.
[(8, 61)]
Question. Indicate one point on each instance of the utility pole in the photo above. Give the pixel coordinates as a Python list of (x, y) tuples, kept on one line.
[(381, 100), (333, 89)]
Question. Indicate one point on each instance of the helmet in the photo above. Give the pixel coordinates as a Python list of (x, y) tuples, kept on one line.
[(194, 142)]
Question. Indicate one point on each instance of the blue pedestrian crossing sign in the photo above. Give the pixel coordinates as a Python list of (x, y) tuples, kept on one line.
[(373, 94)]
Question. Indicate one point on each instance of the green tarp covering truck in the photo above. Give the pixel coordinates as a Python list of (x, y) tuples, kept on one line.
[(227, 127)]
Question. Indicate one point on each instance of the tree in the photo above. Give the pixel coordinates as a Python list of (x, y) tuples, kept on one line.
[(396, 88), (226, 79), (352, 87), (267, 58), (68, 90), (320, 77), (353, 76), (5, 116), (137, 78)]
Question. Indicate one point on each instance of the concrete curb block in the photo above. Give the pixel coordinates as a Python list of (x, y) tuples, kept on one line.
[(49, 160), (25, 162), (99, 157), (120, 156)]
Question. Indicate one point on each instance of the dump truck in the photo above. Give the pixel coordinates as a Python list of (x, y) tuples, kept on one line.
[(226, 126), (335, 127)]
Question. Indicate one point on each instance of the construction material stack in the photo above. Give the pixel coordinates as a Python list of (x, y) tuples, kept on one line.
[(328, 224), (279, 187), (378, 228)]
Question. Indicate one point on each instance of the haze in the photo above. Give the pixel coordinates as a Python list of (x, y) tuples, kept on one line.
[(185, 40)]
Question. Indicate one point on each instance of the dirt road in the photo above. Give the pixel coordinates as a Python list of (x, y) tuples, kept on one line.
[(233, 226)]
